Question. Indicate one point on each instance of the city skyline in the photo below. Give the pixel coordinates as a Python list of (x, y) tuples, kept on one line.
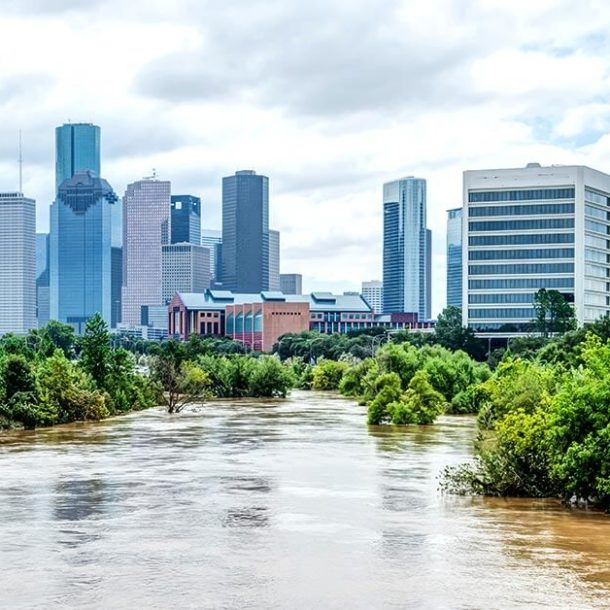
[(541, 103)]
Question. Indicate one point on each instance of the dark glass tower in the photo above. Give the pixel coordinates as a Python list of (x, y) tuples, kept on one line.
[(186, 219), (77, 148), (82, 240), (245, 232)]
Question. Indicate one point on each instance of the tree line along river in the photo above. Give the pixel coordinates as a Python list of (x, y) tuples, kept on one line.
[(277, 504)]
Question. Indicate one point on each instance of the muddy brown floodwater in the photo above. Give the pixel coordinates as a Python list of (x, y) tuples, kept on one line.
[(292, 504)]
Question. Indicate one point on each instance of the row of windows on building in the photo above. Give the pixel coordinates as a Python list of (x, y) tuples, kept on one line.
[(521, 240), (480, 255), (518, 269), (522, 225), (244, 323), (496, 313), (517, 283), (596, 212), (522, 195), (508, 298), (597, 227), (523, 210), (594, 197)]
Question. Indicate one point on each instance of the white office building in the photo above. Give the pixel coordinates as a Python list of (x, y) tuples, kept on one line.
[(17, 263), (531, 228), (373, 293)]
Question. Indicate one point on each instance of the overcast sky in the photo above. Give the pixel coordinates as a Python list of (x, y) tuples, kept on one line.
[(329, 98)]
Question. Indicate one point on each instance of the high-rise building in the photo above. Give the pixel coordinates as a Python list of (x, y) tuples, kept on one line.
[(42, 278), (212, 240), (81, 250), (186, 219), (17, 263), (454, 257), (531, 228), (77, 148), (186, 268), (427, 304), (274, 260), (406, 248), (373, 293), (245, 232), (146, 227), (291, 283), (117, 263)]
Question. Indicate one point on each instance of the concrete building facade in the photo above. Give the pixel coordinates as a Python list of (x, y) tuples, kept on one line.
[(17, 263), (531, 228), (146, 228), (291, 283), (373, 293), (186, 268)]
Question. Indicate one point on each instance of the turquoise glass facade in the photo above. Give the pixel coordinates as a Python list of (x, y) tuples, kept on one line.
[(77, 148)]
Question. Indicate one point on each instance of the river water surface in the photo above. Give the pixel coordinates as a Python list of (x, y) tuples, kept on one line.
[(288, 504)]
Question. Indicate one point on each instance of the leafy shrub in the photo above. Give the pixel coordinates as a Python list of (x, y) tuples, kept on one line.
[(270, 378), (327, 374)]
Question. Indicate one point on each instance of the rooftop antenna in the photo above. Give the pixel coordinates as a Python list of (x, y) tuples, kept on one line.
[(20, 165)]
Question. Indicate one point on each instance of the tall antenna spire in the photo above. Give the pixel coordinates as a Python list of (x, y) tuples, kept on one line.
[(20, 165)]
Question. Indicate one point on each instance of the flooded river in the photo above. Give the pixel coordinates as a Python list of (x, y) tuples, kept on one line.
[(292, 504)]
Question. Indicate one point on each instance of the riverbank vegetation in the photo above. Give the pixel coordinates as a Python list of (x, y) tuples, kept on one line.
[(544, 424), (402, 384), (542, 402), (42, 383), (190, 373), (51, 376)]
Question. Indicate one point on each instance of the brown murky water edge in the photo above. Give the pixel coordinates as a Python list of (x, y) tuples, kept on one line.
[(281, 504)]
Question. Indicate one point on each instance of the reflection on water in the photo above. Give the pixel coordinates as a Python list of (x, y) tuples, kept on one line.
[(291, 504)]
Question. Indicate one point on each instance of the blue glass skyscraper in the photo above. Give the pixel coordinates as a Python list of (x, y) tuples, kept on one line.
[(406, 248), (82, 240), (245, 232), (454, 257), (185, 219), (77, 148)]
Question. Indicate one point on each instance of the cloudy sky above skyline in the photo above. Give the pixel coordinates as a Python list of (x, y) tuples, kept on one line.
[(329, 98)]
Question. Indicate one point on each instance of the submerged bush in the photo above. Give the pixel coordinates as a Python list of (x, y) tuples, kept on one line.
[(327, 374), (544, 431)]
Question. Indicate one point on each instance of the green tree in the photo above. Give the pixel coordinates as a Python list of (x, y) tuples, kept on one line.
[(183, 382), (450, 333), (388, 390), (554, 315), (61, 336), (327, 374), (95, 350), (420, 404), (270, 378), (18, 376), (579, 430), (68, 389)]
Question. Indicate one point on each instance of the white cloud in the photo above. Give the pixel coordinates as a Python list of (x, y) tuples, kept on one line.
[(330, 98)]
